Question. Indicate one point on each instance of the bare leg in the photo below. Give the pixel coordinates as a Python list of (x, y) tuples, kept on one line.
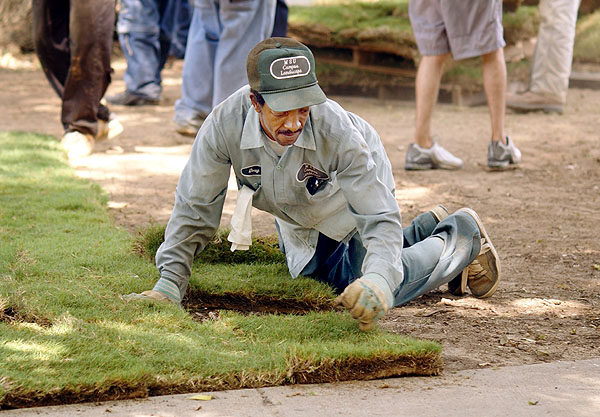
[(427, 87), (494, 83)]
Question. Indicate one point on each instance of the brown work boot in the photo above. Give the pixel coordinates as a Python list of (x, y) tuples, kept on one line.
[(530, 101), (483, 274)]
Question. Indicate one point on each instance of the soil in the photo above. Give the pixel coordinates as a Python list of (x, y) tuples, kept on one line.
[(543, 217)]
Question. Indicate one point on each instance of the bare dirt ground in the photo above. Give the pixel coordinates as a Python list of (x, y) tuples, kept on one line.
[(544, 217)]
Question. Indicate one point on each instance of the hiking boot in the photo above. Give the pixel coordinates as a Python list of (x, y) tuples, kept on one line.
[(502, 156), (483, 274), (109, 129), (126, 98), (418, 158), (77, 144), (530, 101)]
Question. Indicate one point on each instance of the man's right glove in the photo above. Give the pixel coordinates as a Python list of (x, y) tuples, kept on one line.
[(368, 299)]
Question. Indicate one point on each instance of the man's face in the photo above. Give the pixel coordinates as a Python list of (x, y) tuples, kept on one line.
[(282, 127)]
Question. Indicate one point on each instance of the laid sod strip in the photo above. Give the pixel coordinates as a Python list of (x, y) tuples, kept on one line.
[(67, 336), (264, 249), (257, 279)]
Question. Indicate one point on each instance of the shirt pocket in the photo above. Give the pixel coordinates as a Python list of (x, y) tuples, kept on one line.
[(311, 190)]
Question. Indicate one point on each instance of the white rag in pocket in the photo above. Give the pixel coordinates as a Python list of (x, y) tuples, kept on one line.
[(241, 221)]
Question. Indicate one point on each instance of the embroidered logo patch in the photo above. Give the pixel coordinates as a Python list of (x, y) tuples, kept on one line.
[(315, 178), (292, 67), (252, 171)]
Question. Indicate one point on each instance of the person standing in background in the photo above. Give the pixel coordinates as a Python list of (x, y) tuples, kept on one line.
[(552, 59), (145, 29), (463, 29), (182, 17), (73, 41), (221, 34), (281, 20)]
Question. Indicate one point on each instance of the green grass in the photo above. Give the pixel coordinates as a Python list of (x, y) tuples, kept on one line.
[(348, 22), (342, 24), (587, 39), (67, 336)]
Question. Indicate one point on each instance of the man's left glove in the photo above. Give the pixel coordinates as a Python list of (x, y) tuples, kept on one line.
[(368, 299), (147, 295), (164, 290)]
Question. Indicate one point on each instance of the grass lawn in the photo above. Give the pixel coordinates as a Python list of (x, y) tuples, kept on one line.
[(66, 335)]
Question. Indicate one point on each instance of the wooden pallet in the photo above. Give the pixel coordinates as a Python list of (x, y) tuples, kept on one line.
[(379, 62)]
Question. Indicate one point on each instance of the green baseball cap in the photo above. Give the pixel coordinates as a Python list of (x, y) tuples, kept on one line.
[(282, 70)]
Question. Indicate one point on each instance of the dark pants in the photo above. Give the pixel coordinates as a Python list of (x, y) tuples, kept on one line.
[(73, 41), (281, 20)]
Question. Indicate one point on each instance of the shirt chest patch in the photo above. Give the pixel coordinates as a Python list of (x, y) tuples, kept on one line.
[(315, 178), (252, 171)]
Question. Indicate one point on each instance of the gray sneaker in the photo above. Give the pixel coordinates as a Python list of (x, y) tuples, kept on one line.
[(418, 158), (502, 156)]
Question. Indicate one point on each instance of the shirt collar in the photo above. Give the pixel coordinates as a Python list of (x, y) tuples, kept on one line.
[(252, 132)]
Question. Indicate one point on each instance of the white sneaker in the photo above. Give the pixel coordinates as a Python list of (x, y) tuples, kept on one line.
[(77, 144), (501, 156), (418, 158)]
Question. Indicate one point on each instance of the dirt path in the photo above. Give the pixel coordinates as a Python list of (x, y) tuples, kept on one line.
[(544, 218)]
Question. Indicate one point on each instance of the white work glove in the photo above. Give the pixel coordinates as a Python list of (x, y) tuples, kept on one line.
[(147, 295), (164, 290), (368, 299)]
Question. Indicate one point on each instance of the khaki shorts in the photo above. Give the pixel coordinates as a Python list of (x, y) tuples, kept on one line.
[(466, 28)]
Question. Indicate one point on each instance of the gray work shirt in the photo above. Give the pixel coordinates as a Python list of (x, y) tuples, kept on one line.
[(335, 179)]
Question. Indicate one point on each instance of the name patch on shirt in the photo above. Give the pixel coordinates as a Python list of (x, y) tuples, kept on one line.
[(252, 171), (315, 178)]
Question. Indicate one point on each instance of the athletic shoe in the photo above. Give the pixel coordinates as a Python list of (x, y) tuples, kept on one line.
[(483, 274), (188, 127), (418, 158), (126, 98), (77, 144), (439, 213), (502, 156), (530, 101), (109, 129)]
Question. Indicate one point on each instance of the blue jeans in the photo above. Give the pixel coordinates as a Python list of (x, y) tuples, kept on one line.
[(433, 254), (281, 20), (221, 34), (145, 30), (182, 17)]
